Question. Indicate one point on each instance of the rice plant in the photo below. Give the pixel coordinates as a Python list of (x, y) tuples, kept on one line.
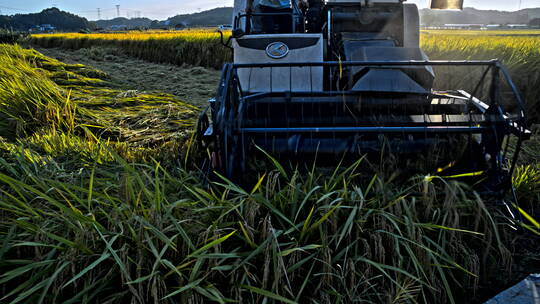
[(28, 98), (51, 104), (122, 232), (193, 47), (97, 205)]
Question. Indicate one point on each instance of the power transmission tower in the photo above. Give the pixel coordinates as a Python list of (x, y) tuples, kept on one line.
[(99, 13), (117, 10)]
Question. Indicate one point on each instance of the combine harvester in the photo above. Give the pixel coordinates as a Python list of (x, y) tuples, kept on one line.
[(348, 77)]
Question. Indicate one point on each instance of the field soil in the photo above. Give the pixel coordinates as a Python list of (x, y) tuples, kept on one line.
[(194, 85)]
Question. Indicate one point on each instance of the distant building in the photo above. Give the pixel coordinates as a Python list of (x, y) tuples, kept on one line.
[(225, 27), (477, 26), (43, 28), (493, 26), (518, 26), (463, 26)]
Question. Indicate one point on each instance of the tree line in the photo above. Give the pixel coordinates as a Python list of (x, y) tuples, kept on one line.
[(59, 19)]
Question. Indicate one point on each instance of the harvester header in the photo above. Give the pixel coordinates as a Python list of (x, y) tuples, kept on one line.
[(347, 78)]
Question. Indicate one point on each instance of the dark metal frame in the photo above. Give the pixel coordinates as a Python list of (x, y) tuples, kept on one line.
[(231, 100)]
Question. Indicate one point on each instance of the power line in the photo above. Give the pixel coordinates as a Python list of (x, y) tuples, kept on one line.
[(101, 12)]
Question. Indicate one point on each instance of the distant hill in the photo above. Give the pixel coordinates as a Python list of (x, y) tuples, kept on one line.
[(223, 15), (213, 17), (63, 21), (129, 23), (474, 16)]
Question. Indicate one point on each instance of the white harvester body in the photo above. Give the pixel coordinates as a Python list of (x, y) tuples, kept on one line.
[(312, 47)]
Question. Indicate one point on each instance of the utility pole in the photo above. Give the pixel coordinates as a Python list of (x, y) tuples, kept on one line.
[(520, 2), (118, 10), (99, 13)]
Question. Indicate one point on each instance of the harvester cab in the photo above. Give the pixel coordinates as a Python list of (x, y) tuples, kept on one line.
[(348, 77)]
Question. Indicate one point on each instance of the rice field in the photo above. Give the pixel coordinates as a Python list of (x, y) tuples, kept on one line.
[(513, 48), (519, 50), (43, 98), (193, 47), (100, 202)]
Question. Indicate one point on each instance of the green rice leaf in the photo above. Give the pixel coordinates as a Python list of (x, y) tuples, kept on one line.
[(211, 244), (94, 264)]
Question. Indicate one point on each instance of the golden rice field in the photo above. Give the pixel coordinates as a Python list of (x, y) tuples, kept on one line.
[(513, 47), (506, 45), (201, 34), (519, 50), (193, 47)]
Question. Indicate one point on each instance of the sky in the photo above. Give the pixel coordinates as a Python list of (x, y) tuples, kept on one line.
[(162, 9)]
